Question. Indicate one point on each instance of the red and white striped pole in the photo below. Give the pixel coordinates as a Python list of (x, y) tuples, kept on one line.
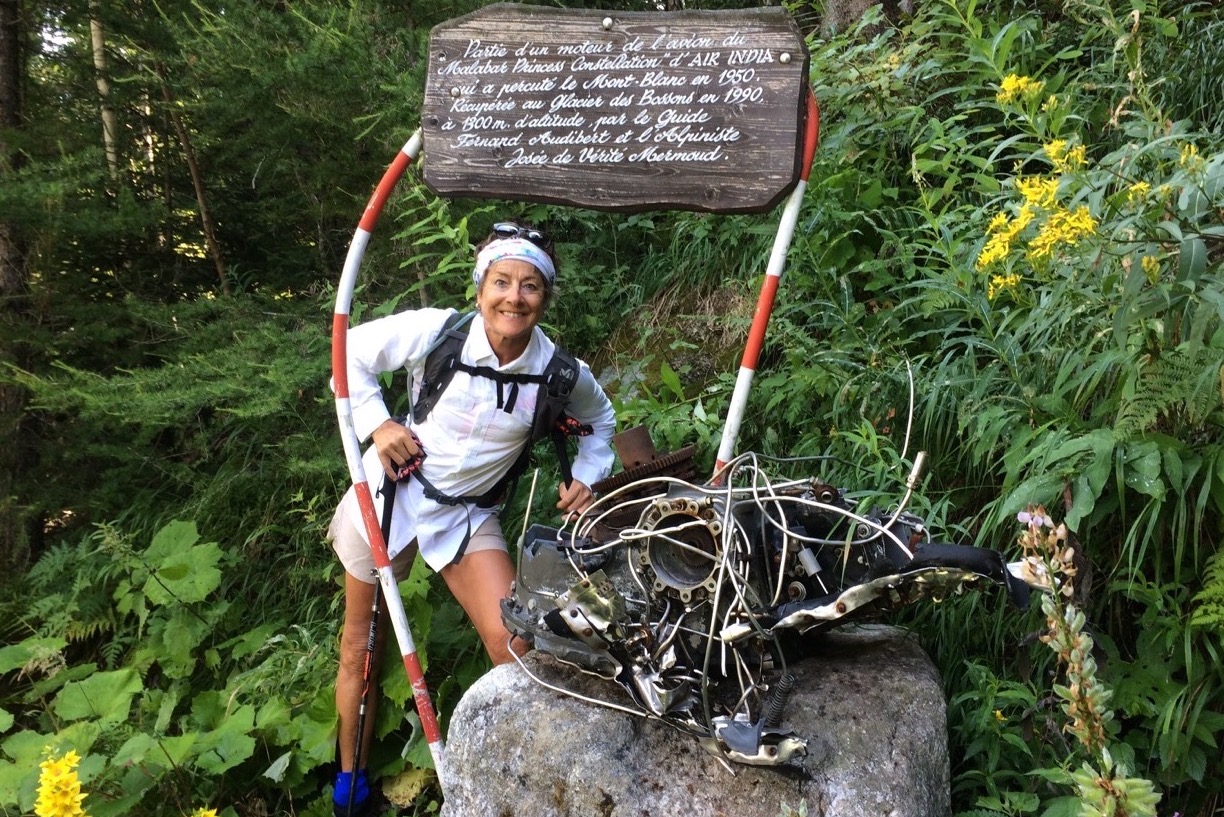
[(352, 446), (769, 290)]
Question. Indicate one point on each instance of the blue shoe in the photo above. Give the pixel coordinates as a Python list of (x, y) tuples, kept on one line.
[(362, 801)]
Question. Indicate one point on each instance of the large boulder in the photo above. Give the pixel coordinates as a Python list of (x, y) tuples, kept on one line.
[(868, 701)]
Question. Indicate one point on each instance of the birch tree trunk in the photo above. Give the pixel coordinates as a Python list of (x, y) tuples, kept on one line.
[(110, 124)]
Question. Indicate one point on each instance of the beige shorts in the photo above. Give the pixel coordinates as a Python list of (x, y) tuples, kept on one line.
[(358, 561)]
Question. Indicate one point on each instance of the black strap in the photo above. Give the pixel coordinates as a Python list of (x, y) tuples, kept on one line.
[(485, 500), (388, 494)]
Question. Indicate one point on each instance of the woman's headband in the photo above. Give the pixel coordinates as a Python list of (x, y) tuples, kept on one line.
[(518, 249)]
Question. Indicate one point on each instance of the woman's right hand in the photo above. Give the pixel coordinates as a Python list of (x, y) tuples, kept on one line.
[(396, 446)]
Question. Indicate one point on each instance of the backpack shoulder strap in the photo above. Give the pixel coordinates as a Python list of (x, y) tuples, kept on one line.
[(560, 376), (440, 360)]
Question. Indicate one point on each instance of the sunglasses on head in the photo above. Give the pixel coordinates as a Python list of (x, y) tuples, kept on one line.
[(505, 229)]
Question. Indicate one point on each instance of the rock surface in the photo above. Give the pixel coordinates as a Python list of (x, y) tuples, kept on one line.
[(869, 703)]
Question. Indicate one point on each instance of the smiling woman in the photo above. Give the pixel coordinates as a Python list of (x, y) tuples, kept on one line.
[(480, 403)]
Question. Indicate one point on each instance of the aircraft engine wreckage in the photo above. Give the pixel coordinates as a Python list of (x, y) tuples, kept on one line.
[(686, 594)]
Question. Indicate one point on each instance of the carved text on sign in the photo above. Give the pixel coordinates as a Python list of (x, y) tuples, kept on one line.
[(697, 110)]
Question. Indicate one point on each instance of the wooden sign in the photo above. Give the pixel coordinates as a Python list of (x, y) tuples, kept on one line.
[(693, 110)]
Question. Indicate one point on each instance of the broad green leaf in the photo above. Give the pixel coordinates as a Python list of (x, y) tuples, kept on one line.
[(1062, 807), (25, 747), (229, 744), (416, 585), (185, 576), (18, 784), (671, 380), (172, 752), (276, 772), (104, 695), (6, 720), (173, 538), (165, 708), (1040, 489), (251, 641), (416, 750), (1192, 259), (134, 750), (180, 639), (316, 726), (1142, 469)]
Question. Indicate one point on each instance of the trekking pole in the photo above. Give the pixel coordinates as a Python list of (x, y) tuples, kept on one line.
[(367, 672), (769, 290), (352, 449), (367, 669)]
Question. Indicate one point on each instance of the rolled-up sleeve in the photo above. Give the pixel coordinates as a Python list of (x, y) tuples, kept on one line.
[(385, 345), (589, 404)]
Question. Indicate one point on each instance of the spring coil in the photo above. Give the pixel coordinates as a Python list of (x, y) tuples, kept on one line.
[(778, 697)]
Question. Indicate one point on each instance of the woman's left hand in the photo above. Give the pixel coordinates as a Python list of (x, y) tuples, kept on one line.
[(576, 498)]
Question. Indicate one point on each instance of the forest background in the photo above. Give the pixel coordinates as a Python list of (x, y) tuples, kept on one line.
[(1022, 202)]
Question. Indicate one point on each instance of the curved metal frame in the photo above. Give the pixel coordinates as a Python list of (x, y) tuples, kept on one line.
[(769, 291), (352, 447)]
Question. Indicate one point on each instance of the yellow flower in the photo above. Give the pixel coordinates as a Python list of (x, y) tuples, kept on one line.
[(1064, 159), (996, 250), (1061, 227), (1137, 192), (1078, 224), (1151, 268), (1015, 87), (1001, 283), (1190, 159), (1022, 220), (204, 812), (999, 222), (1050, 104), (998, 713), (1042, 245), (59, 788), (1038, 191)]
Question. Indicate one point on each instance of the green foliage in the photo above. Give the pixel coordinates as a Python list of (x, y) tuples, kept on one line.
[(1209, 601), (164, 720), (1078, 367), (1087, 375), (788, 811)]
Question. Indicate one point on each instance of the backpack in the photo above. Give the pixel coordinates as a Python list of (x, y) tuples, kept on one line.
[(550, 420)]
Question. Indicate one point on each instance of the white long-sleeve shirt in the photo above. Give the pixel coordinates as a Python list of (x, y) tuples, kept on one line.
[(469, 442)]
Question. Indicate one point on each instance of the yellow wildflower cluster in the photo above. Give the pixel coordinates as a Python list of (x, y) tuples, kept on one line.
[(1016, 87), (1151, 268), (59, 788), (1001, 283), (204, 812), (1066, 160), (1038, 191), (1137, 192), (1190, 159), (1057, 224), (1003, 232), (1062, 226)]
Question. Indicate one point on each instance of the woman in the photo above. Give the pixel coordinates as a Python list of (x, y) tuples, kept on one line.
[(461, 450)]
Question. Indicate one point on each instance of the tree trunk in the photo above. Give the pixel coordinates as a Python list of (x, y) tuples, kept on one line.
[(197, 182), (14, 545), (110, 123)]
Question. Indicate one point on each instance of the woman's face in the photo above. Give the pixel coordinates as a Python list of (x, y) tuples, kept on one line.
[(511, 301)]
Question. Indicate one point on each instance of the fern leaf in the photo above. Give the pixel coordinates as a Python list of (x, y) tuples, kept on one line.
[(1209, 602)]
